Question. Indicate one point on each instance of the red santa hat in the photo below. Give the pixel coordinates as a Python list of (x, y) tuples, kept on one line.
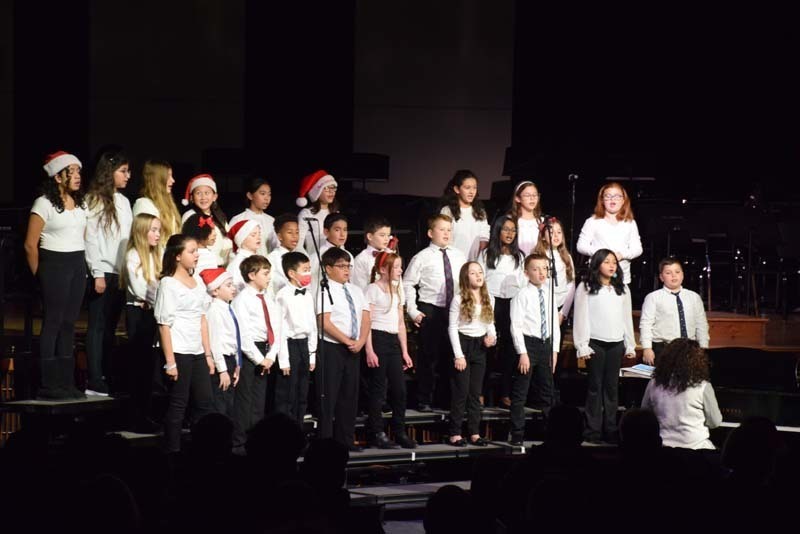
[(312, 185), (213, 278), (194, 183), (240, 231), (58, 161)]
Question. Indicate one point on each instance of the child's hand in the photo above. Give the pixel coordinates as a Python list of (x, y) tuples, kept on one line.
[(311, 367), (561, 318), (265, 365), (418, 319), (649, 357), (408, 363), (236, 376), (100, 285), (372, 360), (555, 361), (631, 355), (172, 374), (489, 341), (357, 346), (461, 364), (286, 371), (524, 364), (224, 381), (210, 363)]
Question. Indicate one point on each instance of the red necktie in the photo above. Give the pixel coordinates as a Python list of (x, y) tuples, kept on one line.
[(270, 336)]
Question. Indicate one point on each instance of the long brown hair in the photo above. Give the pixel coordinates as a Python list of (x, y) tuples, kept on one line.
[(543, 247), (624, 214), (467, 311), (681, 365), (514, 210), (102, 189)]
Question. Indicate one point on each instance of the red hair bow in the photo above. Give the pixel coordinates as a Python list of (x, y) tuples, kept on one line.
[(206, 221)]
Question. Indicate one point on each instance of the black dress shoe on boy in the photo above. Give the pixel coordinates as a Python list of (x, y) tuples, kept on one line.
[(424, 408), (406, 442), (355, 448), (480, 442), (382, 441)]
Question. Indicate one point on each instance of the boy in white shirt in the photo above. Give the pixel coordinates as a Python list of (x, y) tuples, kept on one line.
[(297, 356), (437, 285), (536, 334), (346, 325), (335, 231), (378, 233), (288, 234), (259, 319), (225, 338), (671, 312)]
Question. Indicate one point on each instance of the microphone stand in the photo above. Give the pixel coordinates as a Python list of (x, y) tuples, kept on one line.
[(548, 227), (323, 287), (573, 179)]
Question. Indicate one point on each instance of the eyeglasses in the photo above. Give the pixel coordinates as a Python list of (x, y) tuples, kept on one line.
[(331, 188), (345, 266), (612, 197), (509, 230), (530, 196)]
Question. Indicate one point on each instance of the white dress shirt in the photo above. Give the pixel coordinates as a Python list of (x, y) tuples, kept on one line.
[(253, 326), (145, 205), (305, 241), (234, 268), (468, 232), (362, 267), (221, 333), (222, 246), (660, 321), (181, 308), (526, 317), (269, 240), (505, 279), (340, 311), (474, 327), (605, 316), (105, 246), (139, 291), (426, 270), (684, 418), (62, 232), (277, 277), (564, 291), (299, 321), (621, 237), (385, 308), (527, 234)]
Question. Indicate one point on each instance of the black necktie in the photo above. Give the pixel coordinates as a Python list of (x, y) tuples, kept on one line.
[(448, 279), (681, 315), (300, 291)]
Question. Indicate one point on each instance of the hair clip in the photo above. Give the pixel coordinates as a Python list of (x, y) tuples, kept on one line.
[(205, 221)]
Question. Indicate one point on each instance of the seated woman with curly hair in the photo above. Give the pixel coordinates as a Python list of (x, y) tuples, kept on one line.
[(682, 397)]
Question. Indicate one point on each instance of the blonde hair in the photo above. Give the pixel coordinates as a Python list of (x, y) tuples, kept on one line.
[(467, 309), (138, 242), (543, 248), (155, 176)]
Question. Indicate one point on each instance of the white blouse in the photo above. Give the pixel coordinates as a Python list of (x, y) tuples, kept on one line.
[(468, 232), (527, 234), (105, 246), (384, 315), (305, 242), (62, 232), (182, 309), (139, 291), (505, 279), (564, 291), (475, 327), (621, 237), (604, 316)]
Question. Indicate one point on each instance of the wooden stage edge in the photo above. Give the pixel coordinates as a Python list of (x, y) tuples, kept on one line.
[(734, 330)]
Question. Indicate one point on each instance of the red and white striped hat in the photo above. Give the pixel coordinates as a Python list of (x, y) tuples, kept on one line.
[(213, 278), (197, 181), (311, 187), (58, 161)]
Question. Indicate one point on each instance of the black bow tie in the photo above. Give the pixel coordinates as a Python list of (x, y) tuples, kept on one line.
[(300, 291)]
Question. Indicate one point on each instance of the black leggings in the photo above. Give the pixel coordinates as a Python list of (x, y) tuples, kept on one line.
[(104, 311), (62, 276)]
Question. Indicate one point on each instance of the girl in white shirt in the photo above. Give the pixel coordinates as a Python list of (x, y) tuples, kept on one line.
[(603, 333), (471, 330), (502, 263), (107, 230), (54, 248), (564, 289), (460, 201), (201, 197), (318, 199), (139, 279), (201, 228), (526, 209), (387, 351), (612, 226), (259, 197), (682, 397), (157, 198), (180, 314)]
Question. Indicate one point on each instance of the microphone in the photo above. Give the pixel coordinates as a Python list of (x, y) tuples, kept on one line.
[(572, 177), (547, 222)]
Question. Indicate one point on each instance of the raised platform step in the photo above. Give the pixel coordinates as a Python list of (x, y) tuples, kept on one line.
[(400, 493)]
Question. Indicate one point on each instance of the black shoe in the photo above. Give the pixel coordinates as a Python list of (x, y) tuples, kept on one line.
[(406, 442), (74, 393), (355, 448), (459, 443), (480, 442), (424, 408), (517, 441), (382, 441)]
